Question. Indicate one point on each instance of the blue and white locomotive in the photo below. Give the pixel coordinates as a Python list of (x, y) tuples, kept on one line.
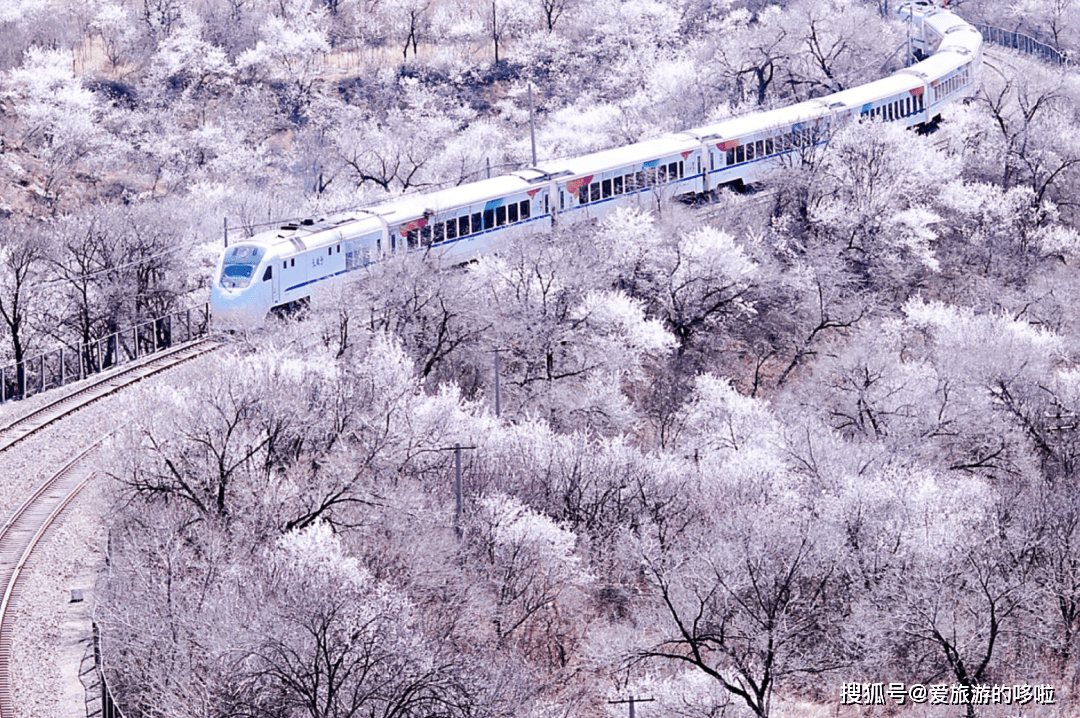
[(292, 263)]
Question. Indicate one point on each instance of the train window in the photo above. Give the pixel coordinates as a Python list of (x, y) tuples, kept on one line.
[(284, 265), (641, 180), (500, 216), (268, 274), (605, 188), (411, 237), (440, 233), (731, 156), (524, 205), (760, 144), (425, 235), (329, 251), (616, 185), (451, 229), (673, 171), (682, 168), (339, 249), (292, 262), (489, 218), (750, 152), (476, 222), (594, 192), (768, 147), (463, 226), (512, 210), (660, 174), (740, 154), (583, 194)]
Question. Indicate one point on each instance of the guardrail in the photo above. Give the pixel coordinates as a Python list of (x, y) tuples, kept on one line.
[(99, 700), (1023, 43), (69, 364)]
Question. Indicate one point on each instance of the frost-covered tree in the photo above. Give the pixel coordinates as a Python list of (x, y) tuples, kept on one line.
[(58, 125), (22, 264)]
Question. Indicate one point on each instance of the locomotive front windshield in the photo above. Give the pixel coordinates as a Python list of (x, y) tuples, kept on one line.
[(239, 265)]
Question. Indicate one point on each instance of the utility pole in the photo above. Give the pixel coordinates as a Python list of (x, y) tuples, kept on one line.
[(907, 62), (459, 496), (457, 489), (498, 397), (495, 28), (532, 126), (226, 233), (633, 700), (498, 378)]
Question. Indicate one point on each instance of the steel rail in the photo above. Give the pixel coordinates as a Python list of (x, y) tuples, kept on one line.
[(101, 386), (20, 535)]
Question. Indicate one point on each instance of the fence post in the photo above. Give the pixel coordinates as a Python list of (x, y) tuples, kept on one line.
[(62, 367), (41, 382), (3, 385)]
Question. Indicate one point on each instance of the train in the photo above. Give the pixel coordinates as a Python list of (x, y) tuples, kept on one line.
[(286, 266)]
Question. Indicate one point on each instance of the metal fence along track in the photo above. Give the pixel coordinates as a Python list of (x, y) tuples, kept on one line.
[(20, 535), (70, 364), (106, 384), (1023, 43)]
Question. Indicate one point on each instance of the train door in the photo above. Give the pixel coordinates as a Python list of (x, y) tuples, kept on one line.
[(275, 284)]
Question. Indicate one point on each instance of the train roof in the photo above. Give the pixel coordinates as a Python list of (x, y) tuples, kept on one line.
[(758, 121), (889, 86), (937, 66), (411, 206), (617, 157), (336, 227), (945, 22)]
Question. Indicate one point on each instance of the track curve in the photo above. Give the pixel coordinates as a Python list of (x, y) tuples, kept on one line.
[(38, 513), (19, 537), (35, 421)]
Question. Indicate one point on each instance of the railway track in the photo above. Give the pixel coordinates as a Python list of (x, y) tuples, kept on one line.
[(31, 521), (19, 537), (101, 386)]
